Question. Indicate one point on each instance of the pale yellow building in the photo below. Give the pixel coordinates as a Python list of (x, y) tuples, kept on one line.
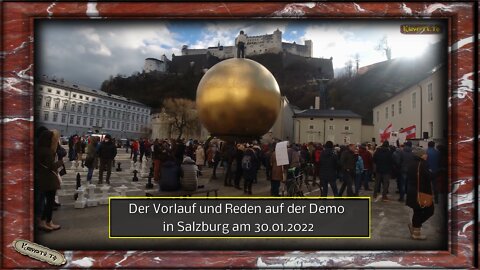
[(422, 104), (319, 126)]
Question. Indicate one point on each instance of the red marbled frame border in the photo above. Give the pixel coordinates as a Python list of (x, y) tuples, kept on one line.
[(17, 132)]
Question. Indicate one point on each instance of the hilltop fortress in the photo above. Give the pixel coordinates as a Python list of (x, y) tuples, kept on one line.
[(256, 45)]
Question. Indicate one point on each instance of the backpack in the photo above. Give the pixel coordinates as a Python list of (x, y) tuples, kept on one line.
[(247, 162)]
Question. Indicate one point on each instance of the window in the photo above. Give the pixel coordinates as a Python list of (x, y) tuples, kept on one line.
[(87, 98), (79, 108), (66, 93), (47, 102), (378, 116), (39, 101), (65, 103), (311, 126), (81, 97), (104, 112), (97, 122), (123, 125), (85, 111), (393, 110), (45, 116), (113, 124), (56, 105), (58, 92), (84, 121), (74, 95), (430, 127), (78, 119), (118, 125), (399, 107), (136, 127), (109, 113), (91, 122), (128, 126), (49, 90), (347, 128), (71, 119), (103, 122), (386, 112), (414, 100), (98, 111), (92, 110), (64, 118), (331, 128), (73, 107), (430, 92), (108, 123)]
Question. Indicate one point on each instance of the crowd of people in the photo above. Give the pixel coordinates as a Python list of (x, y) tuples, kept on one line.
[(178, 164)]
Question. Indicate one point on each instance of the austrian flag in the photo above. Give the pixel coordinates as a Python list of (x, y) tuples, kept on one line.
[(409, 132), (385, 134)]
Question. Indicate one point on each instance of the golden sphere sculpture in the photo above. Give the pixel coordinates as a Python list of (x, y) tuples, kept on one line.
[(238, 98)]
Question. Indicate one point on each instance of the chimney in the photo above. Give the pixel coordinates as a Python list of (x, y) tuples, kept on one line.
[(317, 103)]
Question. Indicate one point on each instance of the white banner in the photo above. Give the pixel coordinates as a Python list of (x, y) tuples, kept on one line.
[(281, 153)]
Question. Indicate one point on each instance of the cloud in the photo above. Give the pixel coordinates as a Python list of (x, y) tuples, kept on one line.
[(90, 52)]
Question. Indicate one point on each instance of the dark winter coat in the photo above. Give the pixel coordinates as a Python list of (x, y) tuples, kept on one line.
[(383, 160), (425, 181), (45, 165), (254, 164), (406, 159), (328, 164), (107, 150), (433, 159), (170, 176), (347, 161)]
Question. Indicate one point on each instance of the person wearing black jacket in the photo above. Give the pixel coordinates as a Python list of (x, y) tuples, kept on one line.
[(328, 169), (383, 160), (419, 178), (106, 153), (347, 162)]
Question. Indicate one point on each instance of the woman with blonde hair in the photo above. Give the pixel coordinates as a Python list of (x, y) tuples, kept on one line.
[(47, 179)]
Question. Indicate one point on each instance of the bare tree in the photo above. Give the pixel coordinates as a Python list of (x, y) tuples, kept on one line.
[(349, 68), (383, 46), (182, 112), (357, 62)]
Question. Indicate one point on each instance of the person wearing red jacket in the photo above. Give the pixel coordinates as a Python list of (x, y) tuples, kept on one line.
[(316, 161), (367, 166), (135, 148)]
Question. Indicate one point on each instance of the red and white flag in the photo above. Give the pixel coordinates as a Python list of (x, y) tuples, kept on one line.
[(385, 134), (410, 132)]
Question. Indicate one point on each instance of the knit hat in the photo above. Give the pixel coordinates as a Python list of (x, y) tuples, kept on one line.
[(418, 151), (187, 159)]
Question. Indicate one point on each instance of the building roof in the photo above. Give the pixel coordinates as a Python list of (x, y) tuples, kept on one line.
[(60, 83), (314, 113), (154, 59)]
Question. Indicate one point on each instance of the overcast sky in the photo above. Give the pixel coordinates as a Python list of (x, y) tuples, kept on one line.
[(89, 52)]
